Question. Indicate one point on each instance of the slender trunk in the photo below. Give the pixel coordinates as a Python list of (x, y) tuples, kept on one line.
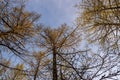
[(36, 71), (54, 65), (61, 75)]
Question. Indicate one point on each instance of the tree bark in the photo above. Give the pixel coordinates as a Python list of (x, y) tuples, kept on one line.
[(54, 65)]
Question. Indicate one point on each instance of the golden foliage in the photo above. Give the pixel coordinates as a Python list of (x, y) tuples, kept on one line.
[(101, 20), (17, 25), (63, 37)]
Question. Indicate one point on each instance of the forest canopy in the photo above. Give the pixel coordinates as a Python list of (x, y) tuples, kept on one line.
[(88, 50)]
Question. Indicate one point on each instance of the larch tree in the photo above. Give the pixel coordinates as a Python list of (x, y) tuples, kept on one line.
[(102, 20), (16, 25), (58, 41), (37, 65)]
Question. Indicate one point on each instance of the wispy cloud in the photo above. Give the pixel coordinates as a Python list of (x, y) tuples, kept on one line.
[(54, 12)]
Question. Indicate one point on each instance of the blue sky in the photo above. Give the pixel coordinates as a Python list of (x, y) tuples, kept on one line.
[(54, 12)]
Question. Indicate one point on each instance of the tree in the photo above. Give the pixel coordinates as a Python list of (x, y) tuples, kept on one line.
[(16, 25), (94, 66), (56, 41), (37, 65), (17, 28), (102, 20)]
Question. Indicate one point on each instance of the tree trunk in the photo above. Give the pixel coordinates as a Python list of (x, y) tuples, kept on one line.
[(36, 71), (54, 65)]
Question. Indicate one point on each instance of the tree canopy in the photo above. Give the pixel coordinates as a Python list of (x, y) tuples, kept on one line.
[(47, 53)]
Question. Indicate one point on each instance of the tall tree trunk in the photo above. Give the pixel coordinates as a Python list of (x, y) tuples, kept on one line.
[(54, 65)]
